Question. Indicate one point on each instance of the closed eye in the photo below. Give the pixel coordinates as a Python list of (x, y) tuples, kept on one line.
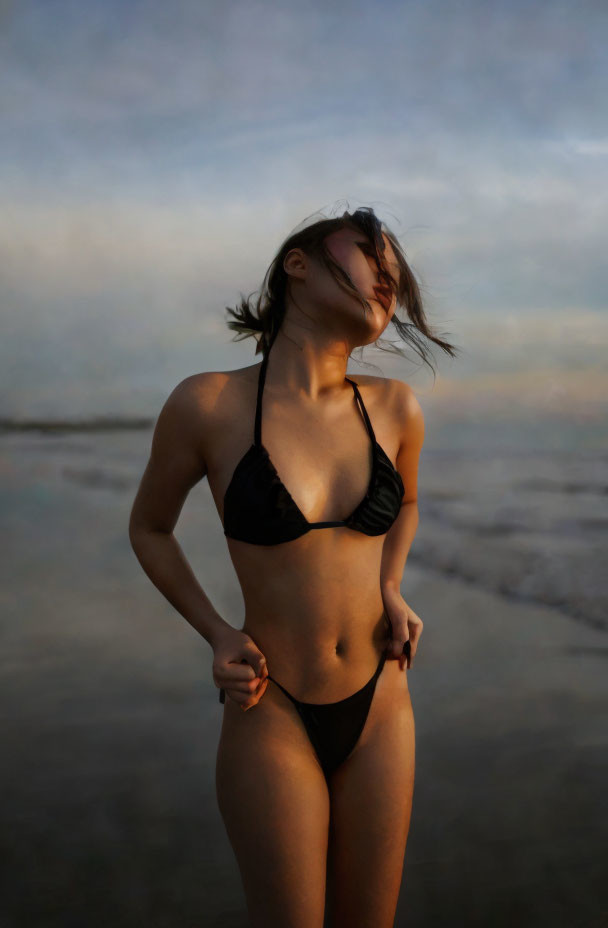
[(369, 250)]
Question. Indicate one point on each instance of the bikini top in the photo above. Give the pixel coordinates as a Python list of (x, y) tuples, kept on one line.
[(259, 509)]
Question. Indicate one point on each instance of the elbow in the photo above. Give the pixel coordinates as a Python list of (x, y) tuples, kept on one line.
[(136, 533), (139, 534), (137, 527), (133, 536)]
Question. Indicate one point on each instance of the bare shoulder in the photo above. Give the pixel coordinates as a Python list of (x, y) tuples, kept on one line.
[(401, 405), (207, 402), (183, 418), (193, 400), (208, 392), (394, 394)]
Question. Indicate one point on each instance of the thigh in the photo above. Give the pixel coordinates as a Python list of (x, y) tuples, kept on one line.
[(371, 799), (274, 802)]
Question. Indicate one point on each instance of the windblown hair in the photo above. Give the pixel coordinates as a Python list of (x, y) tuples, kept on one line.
[(270, 305)]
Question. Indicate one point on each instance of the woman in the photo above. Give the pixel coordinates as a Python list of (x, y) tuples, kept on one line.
[(314, 476)]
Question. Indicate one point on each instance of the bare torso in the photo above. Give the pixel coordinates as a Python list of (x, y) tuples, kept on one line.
[(312, 605)]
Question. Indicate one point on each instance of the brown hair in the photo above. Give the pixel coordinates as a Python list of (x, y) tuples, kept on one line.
[(270, 306)]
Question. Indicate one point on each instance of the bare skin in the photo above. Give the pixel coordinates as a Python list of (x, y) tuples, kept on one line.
[(316, 608), (318, 618)]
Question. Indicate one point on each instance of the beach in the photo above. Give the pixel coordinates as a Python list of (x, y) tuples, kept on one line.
[(111, 718)]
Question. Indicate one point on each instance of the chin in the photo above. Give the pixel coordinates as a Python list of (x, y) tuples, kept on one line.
[(370, 335), (377, 322), (368, 328)]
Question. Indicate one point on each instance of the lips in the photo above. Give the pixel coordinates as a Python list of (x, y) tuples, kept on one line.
[(384, 296)]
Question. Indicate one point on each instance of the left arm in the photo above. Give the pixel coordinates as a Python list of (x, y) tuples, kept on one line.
[(406, 625)]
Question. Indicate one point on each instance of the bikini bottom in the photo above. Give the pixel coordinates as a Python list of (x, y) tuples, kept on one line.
[(334, 727)]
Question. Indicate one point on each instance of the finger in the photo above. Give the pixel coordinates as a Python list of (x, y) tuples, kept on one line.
[(243, 700), (253, 700), (255, 658), (240, 686), (239, 698), (237, 671), (260, 691), (244, 692)]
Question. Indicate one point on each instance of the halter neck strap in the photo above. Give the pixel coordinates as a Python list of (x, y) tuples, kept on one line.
[(258, 406), (363, 410)]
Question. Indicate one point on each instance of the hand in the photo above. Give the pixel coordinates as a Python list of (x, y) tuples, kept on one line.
[(239, 667), (406, 626)]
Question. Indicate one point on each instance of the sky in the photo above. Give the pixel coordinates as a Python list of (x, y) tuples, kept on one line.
[(154, 156)]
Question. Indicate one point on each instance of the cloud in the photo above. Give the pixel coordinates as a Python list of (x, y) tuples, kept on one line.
[(152, 162)]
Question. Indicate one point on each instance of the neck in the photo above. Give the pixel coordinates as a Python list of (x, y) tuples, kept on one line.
[(312, 368)]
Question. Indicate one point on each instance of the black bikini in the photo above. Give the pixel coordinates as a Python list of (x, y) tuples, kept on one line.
[(259, 509)]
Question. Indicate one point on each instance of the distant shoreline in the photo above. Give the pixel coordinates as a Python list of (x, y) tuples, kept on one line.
[(98, 424)]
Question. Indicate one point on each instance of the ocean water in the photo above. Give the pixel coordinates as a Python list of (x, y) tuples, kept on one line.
[(532, 525)]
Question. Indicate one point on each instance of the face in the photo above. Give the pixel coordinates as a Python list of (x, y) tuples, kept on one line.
[(354, 252)]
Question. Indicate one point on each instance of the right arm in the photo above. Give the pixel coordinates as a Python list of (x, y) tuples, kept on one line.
[(176, 464)]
